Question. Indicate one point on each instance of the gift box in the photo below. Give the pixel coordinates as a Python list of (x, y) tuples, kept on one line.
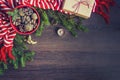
[(82, 8)]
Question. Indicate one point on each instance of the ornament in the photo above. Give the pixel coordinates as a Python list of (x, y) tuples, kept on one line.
[(29, 40), (60, 32)]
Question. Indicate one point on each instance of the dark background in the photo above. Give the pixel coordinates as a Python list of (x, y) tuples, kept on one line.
[(94, 55)]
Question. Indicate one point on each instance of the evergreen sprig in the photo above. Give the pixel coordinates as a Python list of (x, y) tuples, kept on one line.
[(22, 55), (13, 14), (71, 22), (44, 20)]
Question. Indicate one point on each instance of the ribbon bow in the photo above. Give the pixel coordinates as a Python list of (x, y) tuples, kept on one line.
[(77, 5)]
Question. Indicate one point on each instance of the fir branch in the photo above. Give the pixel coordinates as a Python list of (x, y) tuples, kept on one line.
[(1, 71), (21, 53), (13, 14)]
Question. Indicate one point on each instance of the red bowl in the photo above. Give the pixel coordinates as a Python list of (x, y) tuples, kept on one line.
[(28, 32)]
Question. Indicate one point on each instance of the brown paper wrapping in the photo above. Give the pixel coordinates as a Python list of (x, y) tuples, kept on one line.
[(84, 9)]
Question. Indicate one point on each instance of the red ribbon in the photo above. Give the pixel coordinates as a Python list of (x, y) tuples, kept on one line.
[(77, 5)]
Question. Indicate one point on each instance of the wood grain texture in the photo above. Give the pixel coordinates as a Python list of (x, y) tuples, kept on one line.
[(94, 55)]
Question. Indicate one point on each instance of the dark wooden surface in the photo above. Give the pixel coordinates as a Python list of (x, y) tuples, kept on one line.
[(94, 55)]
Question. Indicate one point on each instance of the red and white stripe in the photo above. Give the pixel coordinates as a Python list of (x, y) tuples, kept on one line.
[(7, 33), (7, 5)]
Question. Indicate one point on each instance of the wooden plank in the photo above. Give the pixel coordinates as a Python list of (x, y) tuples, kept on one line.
[(69, 66), (95, 40)]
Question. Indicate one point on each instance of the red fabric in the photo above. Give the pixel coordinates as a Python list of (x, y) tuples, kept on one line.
[(102, 7), (3, 54), (6, 52)]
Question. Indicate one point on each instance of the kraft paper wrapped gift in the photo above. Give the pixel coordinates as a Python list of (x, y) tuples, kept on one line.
[(82, 8)]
